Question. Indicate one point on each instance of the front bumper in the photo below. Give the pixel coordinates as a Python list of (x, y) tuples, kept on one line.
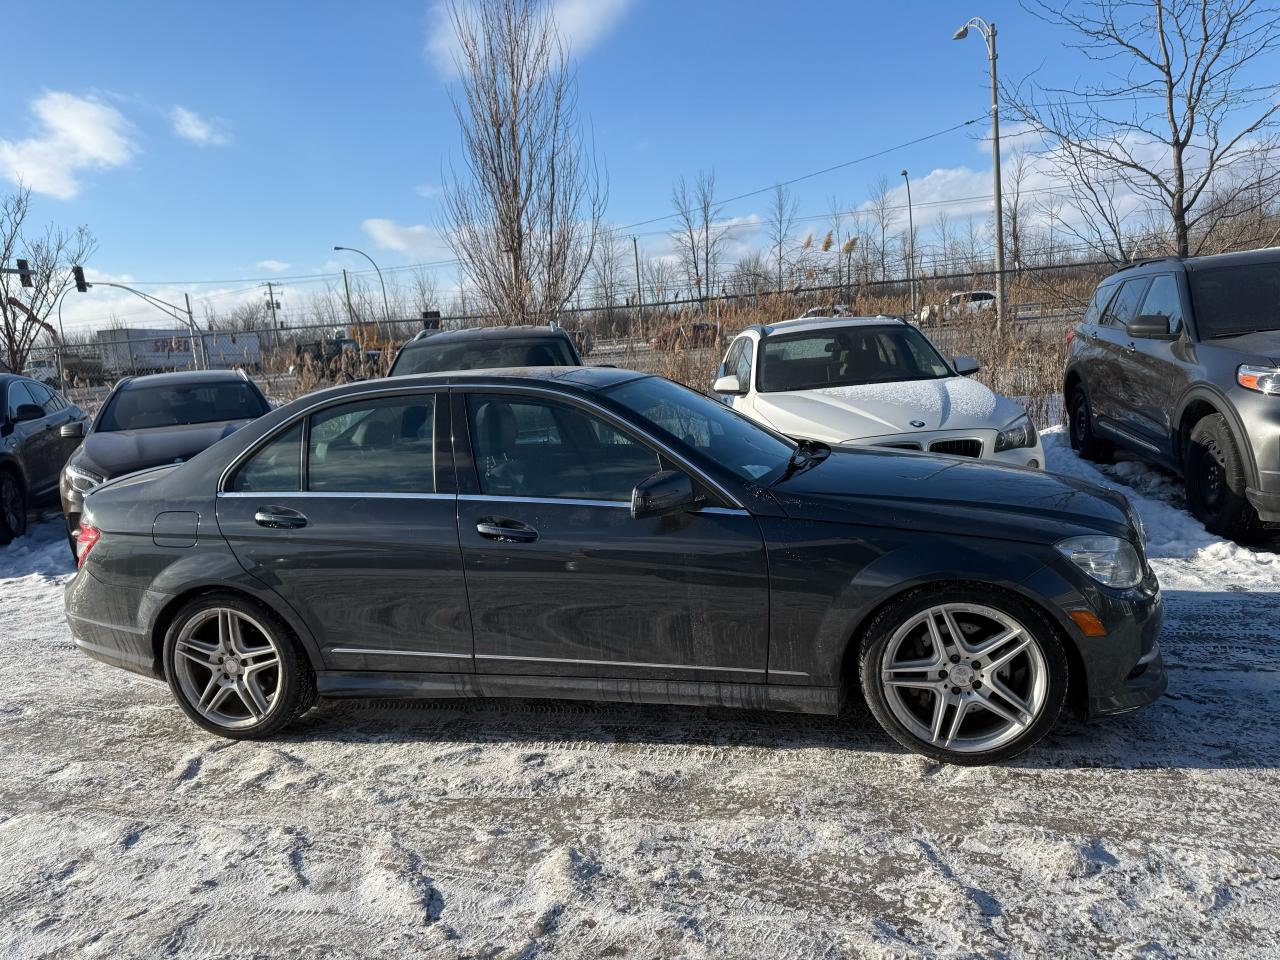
[(924, 441), (1125, 670)]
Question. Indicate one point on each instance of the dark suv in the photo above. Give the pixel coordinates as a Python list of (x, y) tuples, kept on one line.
[(484, 348), (1178, 361), (32, 447)]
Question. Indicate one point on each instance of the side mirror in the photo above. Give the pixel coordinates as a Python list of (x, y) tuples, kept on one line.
[(667, 491), (966, 366), (28, 411), (1150, 326), (72, 430), (728, 384)]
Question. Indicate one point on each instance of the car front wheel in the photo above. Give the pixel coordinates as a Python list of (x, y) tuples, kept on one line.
[(236, 668), (963, 674), (1215, 482)]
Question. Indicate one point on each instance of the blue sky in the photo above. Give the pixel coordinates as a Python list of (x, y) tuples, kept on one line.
[(239, 141)]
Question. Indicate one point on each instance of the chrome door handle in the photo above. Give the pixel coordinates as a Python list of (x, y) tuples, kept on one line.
[(1093, 336), (506, 531), (279, 518)]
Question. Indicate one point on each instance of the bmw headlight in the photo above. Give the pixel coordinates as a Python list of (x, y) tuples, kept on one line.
[(1020, 433), (1263, 379), (83, 480), (1109, 560)]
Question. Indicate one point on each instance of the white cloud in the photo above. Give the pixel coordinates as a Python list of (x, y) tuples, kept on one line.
[(428, 191), (581, 23), (417, 240), (201, 131), (274, 266), (74, 134)]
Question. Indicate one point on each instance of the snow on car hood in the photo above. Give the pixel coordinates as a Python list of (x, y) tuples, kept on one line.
[(879, 409)]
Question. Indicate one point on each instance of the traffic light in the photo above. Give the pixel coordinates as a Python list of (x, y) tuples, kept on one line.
[(78, 273), (24, 273)]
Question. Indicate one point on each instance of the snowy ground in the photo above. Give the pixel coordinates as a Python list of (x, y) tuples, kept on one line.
[(522, 829)]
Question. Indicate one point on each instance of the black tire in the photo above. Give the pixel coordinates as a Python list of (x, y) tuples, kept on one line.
[(1047, 661), (1215, 481), (296, 690), (1084, 441), (13, 506)]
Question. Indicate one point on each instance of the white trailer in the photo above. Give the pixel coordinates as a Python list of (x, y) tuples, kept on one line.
[(137, 350)]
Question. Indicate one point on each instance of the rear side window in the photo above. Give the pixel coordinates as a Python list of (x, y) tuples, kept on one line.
[(1162, 300), (370, 446), (374, 446), (276, 467), (19, 396), (1125, 306), (1099, 303)]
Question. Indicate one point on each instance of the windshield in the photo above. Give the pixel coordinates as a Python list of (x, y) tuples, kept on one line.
[(178, 404), (847, 356), (428, 357), (1232, 300), (701, 428)]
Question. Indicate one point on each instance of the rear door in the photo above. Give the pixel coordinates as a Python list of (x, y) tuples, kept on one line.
[(564, 582), (350, 515), (1156, 371)]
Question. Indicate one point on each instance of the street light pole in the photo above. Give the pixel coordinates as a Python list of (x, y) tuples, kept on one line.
[(911, 247), (386, 310), (988, 31), (175, 311)]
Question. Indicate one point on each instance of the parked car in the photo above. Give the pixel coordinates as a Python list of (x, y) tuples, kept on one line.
[(686, 336), (32, 447), (875, 381), (964, 305), (146, 421), (486, 347), (1178, 362), (596, 533)]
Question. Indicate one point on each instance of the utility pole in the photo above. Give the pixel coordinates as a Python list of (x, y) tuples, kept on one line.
[(197, 341), (911, 247), (351, 314), (635, 248), (271, 305)]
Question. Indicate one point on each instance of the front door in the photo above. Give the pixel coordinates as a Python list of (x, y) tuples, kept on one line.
[(34, 441), (1157, 372), (564, 582), (350, 516)]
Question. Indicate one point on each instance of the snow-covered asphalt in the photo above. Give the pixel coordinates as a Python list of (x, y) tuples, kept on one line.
[(524, 829)]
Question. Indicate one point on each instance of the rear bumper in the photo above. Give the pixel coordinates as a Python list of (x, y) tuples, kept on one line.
[(98, 617)]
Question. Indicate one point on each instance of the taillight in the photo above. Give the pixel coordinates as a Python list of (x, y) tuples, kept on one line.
[(1071, 335), (86, 537)]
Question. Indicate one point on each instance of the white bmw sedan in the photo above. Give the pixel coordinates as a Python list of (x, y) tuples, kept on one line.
[(875, 381)]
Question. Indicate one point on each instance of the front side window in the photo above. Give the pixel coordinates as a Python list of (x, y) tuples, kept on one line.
[(374, 446), (530, 447), (1229, 301), (848, 356), (143, 407), (703, 429), (1162, 300), (1125, 305), (481, 354)]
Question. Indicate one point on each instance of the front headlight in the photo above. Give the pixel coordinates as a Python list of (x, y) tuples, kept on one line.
[(1109, 560), (1263, 379), (82, 480), (1020, 433)]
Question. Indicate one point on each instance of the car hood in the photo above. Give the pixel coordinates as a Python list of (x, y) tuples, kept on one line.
[(836, 414), (920, 491), (1261, 344), (125, 451)]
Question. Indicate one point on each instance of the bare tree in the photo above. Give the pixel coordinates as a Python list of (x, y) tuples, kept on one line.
[(1181, 115), (609, 275), (1015, 207), (882, 216), (781, 222), (699, 236), (524, 216), (51, 253)]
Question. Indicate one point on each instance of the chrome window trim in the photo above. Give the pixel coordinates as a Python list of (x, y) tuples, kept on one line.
[(349, 494), (573, 501), (371, 652), (618, 663)]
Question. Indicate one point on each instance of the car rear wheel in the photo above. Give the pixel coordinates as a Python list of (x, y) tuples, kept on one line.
[(236, 668), (13, 506), (1083, 440), (963, 674), (1215, 482)]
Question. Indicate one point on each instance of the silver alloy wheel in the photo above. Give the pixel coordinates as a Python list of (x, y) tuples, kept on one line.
[(964, 677), (228, 667)]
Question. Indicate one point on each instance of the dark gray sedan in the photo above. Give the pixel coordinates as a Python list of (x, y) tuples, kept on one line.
[(600, 534)]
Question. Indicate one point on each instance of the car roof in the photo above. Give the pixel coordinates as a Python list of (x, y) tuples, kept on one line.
[(803, 324), (1191, 264), (487, 333), (181, 377)]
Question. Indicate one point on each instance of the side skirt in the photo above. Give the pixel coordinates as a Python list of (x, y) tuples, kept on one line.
[(756, 696)]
